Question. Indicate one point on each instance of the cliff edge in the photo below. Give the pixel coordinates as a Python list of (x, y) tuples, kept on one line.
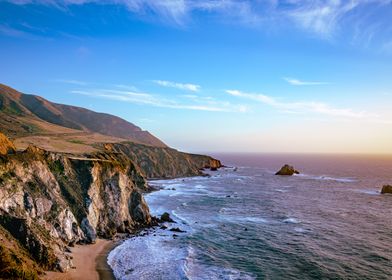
[(49, 201)]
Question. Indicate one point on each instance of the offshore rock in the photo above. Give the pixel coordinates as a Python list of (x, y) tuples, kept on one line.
[(386, 189), (287, 170), (165, 217)]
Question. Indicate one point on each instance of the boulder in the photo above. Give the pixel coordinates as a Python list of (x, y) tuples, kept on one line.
[(287, 170), (386, 189), (165, 217), (177, 230)]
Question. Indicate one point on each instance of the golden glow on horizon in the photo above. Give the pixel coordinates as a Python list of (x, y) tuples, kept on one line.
[(310, 137)]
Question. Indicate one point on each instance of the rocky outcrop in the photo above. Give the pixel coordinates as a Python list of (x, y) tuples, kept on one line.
[(386, 189), (165, 217), (6, 146), (156, 162), (287, 170), (49, 201)]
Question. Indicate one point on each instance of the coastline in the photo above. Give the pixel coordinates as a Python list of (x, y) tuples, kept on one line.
[(90, 262)]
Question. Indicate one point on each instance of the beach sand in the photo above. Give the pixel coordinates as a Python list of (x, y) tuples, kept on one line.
[(90, 263)]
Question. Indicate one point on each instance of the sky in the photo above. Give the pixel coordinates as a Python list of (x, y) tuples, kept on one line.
[(214, 75)]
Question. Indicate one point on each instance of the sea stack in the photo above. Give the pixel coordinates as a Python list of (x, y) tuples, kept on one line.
[(287, 170), (386, 189)]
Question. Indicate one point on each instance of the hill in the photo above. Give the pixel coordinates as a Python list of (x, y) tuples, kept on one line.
[(33, 120), (26, 115)]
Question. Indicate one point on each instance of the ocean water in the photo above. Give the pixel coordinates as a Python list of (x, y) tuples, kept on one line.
[(329, 222)]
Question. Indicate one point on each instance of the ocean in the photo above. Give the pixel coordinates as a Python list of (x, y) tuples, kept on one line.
[(329, 222)]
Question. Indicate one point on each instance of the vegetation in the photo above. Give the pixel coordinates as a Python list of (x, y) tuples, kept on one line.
[(13, 266), (76, 141)]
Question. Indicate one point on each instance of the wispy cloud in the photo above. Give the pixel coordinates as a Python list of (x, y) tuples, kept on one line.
[(72, 82), (303, 107), (182, 86), (127, 87), (322, 17), (15, 32), (296, 82), (162, 102)]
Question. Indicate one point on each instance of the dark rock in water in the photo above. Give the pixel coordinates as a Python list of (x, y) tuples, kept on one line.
[(287, 170), (235, 169), (165, 217), (176, 230), (163, 227), (213, 168), (175, 235), (386, 189)]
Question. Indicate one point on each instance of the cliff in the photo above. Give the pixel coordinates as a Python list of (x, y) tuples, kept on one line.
[(158, 162), (72, 175), (49, 201)]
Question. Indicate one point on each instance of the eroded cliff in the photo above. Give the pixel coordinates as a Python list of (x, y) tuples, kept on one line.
[(49, 201), (158, 162)]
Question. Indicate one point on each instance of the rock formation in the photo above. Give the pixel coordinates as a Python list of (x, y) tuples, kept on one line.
[(287, 170), (158, 162), (386, 189), (49, 201), (165, 217), (6, 146)]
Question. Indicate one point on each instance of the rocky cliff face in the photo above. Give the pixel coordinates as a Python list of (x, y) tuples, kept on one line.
[(157, 162), (49, 201), (6, 146)]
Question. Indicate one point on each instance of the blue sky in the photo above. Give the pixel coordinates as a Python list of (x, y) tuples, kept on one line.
[(211, 75)]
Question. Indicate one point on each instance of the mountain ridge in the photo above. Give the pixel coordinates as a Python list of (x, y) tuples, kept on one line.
[(15, 105), (63, 185)]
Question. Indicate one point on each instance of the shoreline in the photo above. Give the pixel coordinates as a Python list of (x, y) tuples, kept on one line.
[(105, 272), (90, 262)]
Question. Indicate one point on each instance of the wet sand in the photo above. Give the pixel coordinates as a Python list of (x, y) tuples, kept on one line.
[(90, 263)]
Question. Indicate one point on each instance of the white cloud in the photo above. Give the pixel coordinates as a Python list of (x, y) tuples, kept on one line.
[(322, 17), (182, 86), (313, 107), (363, 23), (17, 32), (296, 82), (127, 87), (72, 82), (159, 101)]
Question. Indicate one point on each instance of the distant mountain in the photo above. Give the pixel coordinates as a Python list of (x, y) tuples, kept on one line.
[(25, 114)]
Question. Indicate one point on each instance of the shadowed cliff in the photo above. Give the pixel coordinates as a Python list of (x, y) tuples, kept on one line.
[(156, 162)]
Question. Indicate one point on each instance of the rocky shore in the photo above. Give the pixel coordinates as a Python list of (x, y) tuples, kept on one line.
[(51, 202)]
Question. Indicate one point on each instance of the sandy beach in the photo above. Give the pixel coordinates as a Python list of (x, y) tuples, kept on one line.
[(90, 263)]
